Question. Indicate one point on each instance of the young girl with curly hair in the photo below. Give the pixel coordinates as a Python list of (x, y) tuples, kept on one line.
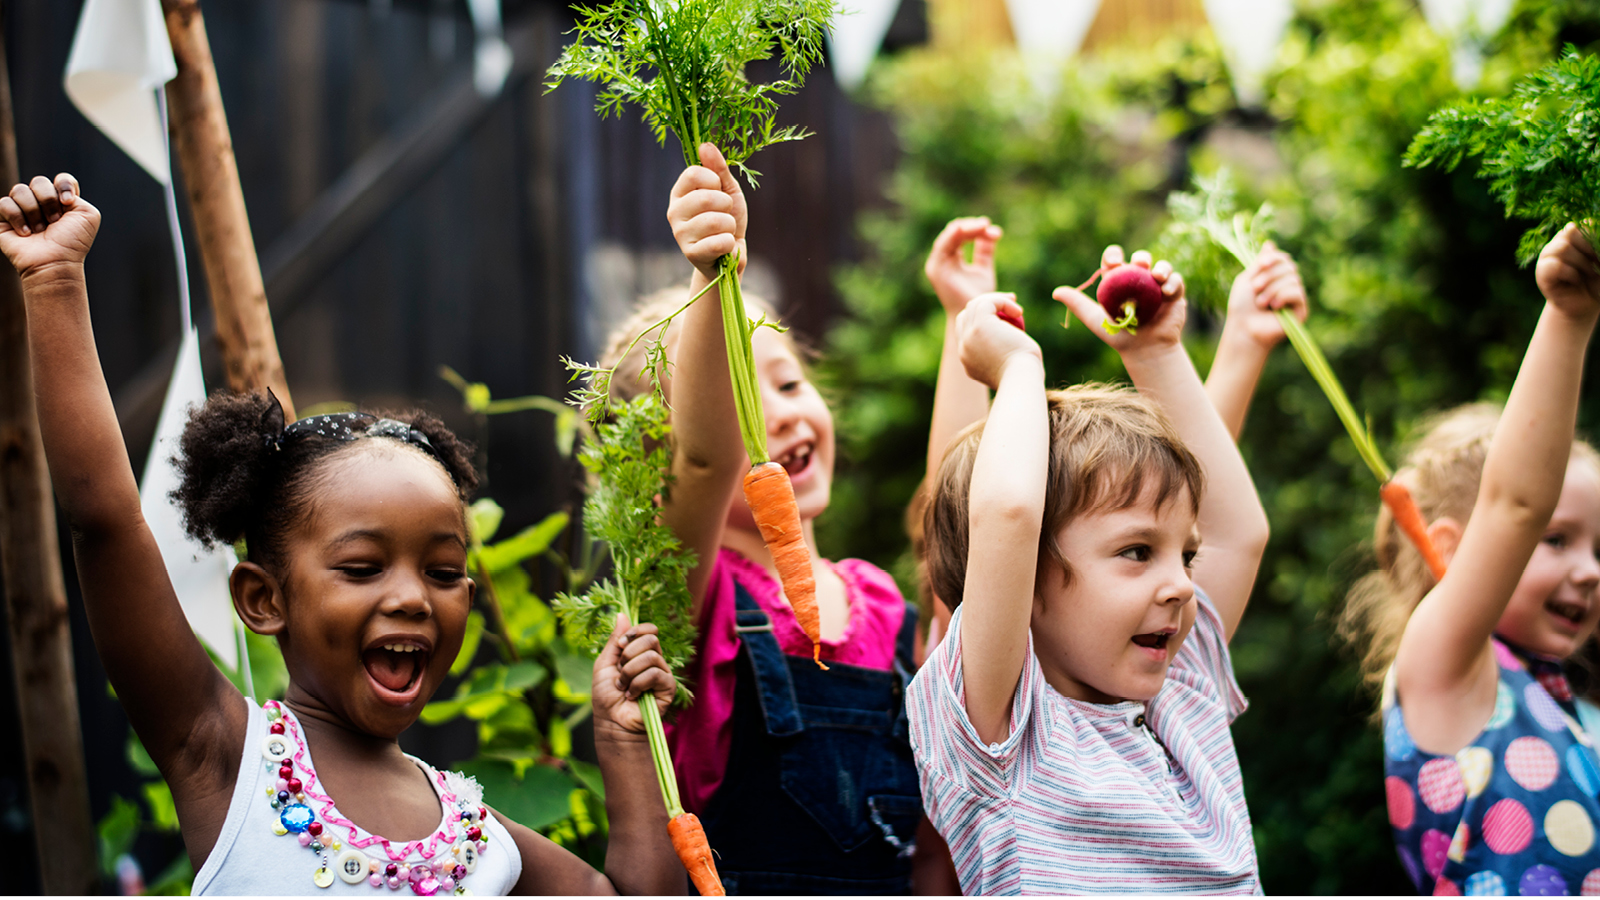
[(1491, 782), (356, 537)]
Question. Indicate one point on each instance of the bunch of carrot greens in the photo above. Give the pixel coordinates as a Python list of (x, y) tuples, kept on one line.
[(1206, 236), (683, 63), (1540, 147), (629, 460)]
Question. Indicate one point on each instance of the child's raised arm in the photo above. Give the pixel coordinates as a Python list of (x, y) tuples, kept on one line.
[(1005, 510), (708, 217), (1445, 668), (1251, 330), (1233, 526), (958, 400), (190, 719)]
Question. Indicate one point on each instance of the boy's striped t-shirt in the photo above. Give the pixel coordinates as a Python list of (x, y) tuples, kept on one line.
[(1082, 798)]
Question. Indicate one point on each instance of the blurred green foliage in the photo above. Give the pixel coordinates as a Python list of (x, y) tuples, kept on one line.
[(1417, 301)]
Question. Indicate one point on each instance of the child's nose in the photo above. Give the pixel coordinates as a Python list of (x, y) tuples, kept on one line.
[(408, 597), (781, 412), (1587, 572)]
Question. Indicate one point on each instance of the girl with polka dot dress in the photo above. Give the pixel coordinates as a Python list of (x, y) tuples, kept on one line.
[(1491, 781), (355, 526)]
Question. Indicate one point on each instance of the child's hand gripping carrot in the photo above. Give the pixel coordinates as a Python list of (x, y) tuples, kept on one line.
[(708, 214)]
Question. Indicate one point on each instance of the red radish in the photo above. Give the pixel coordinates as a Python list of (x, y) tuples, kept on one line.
[(1014, 318), (1129, 294)]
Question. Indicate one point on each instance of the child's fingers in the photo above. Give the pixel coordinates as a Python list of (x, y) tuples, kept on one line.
[(44, 190), (1112, 256), (1161, 271), (1088, 311), (11, 216), (1172, 287), (1574, 235), (983, 247), (67, 188), (656, 680), (712, 159), (1141, 258), (1569, 254), (695, 178), (32, 219), (632, 672)]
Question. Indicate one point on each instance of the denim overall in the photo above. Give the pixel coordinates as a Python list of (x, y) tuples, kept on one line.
[(820, 795)]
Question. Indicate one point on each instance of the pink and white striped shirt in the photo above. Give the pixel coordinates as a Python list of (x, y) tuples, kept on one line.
[(1080, 798)]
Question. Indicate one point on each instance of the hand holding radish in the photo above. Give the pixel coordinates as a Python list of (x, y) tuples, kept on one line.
[(1162, 326), (44, 224), (955, 280), (708, 213), (630, 666), (989, 337), (1568, 273), (1272, 282)]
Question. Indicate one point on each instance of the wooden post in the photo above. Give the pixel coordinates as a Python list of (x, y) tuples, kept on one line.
[(211, 178), (36, 599)]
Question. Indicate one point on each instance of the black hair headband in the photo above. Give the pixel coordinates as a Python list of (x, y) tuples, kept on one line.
[(346, 426)]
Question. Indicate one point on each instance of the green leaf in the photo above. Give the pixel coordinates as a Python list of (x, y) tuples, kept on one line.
[(117, 831), (139, 758), (528, 543), (163, 811), (588, 774), (484, 517), (469, 643), (537, 800)]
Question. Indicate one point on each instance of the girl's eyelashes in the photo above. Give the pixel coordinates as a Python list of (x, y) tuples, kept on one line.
[(448, 576), (359, 571), (1188, 558), (1556, 540)]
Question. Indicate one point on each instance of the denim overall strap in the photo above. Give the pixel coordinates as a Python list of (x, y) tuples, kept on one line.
[(776, 689), (820, 791)]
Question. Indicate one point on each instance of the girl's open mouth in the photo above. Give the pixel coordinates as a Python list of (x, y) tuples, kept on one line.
[(1570, 614), (797, 460), (396, 670)]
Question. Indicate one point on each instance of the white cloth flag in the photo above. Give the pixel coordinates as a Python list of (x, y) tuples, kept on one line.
[(120, 55), (1249, 32), (857, 34), (1050, 32), (199, 576), (1467, 24)]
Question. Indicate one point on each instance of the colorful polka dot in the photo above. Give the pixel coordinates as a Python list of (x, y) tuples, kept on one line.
[(1568, 828), (1591, 884), (1444, 887), (1545, 711), (1485, 884), (1439, 783), (1505, 706), (1532, 763), (1507, 828), (1505, 657), (1460, 843), (1402, 805), (1542, 881), (1581, 766), (1477, 767), (1396, 741), (1434, 847)]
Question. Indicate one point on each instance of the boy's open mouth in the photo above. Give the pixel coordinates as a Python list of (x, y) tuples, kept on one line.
[(1155, 640), (797, 459), (396, 668)]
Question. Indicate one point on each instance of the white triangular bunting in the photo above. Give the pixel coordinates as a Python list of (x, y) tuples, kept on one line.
[(1249, 32), (857, 34), (119, 55)]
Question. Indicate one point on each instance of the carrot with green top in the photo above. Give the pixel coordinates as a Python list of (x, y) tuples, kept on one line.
[(683, 62)]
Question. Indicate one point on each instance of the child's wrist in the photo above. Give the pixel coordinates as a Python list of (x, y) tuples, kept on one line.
[(1236, 341), (52, 274)]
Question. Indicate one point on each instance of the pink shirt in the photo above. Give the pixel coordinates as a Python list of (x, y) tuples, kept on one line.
[(700, 736)]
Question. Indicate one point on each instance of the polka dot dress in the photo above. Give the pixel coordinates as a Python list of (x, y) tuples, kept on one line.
[(1514, 813)]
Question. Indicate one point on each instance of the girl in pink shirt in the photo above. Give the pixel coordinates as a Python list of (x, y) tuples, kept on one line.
[(804, 779)]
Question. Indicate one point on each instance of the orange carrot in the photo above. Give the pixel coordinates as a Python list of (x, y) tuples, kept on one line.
[(771, 499), (1409, 518), (689, 840)]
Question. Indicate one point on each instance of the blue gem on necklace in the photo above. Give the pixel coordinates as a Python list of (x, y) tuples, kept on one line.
[(296, 816)]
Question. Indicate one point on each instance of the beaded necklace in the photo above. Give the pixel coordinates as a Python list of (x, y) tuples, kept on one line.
[(450, 854)]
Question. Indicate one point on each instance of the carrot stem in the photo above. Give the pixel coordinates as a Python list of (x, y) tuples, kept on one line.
[(1317, 364)]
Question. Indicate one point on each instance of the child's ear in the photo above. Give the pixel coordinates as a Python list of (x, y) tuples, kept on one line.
[(258, 599), (1445, 533)]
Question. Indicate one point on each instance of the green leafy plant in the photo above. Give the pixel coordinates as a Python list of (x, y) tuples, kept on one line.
[(1205, 222), (683, 63), (1540, 147)]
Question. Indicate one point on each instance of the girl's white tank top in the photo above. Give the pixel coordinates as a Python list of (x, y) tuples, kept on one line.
[(260, 852)]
